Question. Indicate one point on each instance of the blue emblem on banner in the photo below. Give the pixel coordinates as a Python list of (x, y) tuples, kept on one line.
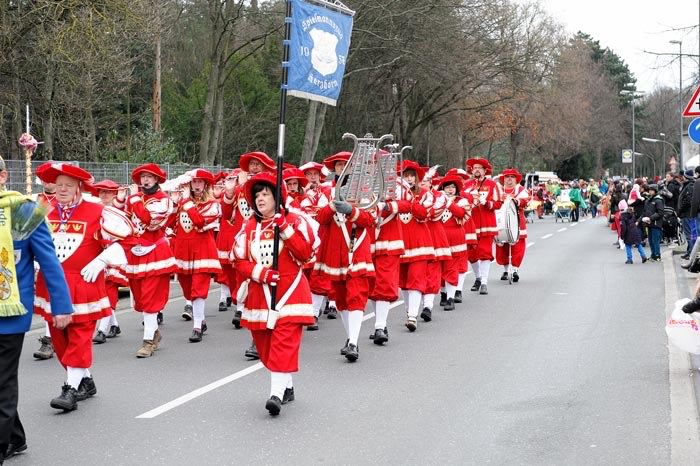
[(320, 40)]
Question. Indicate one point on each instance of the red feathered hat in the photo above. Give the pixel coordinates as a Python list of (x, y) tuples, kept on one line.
[(511, 172), (411, 165), (295, 173), (151, 169), (329, 162), (314, 166), (447, 179), (286, 165), (50, 173), (203, 174), (267, 178), (220, 176), (457, 172), (261, 157)]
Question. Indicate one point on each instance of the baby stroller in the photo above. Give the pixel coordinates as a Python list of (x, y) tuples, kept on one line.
[(672, 228), (563, 207)]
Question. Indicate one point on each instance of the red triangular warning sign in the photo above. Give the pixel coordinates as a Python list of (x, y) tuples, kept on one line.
[(693, 107)]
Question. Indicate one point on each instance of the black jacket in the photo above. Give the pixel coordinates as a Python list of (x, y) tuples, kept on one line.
[(685, 199), (695, 203), (674, 187), (629, 232), (654, 209)]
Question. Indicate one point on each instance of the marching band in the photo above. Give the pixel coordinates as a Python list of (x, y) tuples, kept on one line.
[(411, 245)]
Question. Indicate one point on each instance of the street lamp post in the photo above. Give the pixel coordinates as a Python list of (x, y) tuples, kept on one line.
[(664, 142), (653, 162), (663, 155), (680, 97), (634, 95)]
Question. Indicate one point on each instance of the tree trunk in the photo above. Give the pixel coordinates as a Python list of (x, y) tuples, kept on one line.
[(215, 146), (48, 108), (208, 116), (157, 87), (314, 125), (598, 161)]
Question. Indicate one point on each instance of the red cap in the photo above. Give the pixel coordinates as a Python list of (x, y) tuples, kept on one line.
[(451, 178), (150, 168), (329, 162), (261, 157), (50, 173), (479, 161)]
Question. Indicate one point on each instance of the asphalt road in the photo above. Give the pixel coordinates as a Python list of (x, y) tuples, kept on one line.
[(569, 366)]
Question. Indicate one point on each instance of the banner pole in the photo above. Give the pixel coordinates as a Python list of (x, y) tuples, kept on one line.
[(280, 156)]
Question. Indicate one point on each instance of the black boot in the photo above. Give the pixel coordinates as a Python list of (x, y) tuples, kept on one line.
[(314, 326), (237, 319), (516, 277), (159, 319), (222, 306), (427, 314), (187, 312), (86, 389), (450, 305), (476, 285), (288, 395), (344, 349), (332, 313), (458, 296), (273, 406), (504, 276), (252, 352), (196, 336), (380, 337), (99, 338), (229, 301), (67, 400), (443, 298), (114, 330), (353, 353)]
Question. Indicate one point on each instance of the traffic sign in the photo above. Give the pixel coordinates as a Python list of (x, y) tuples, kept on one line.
[(694, 130), (627, 156), (693, 107)]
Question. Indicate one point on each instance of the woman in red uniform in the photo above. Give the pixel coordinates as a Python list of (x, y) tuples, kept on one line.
[(196, 255), (512, 255), (278, 347)]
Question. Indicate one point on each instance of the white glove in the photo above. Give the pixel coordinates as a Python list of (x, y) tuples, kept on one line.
[(94, 268), (646, 219)]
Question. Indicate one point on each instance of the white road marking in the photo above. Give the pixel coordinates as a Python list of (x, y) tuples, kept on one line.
[(561, 294), (529, 244), (221, 382), (583, 220), (575, 224), (548, 236), (561, 229)]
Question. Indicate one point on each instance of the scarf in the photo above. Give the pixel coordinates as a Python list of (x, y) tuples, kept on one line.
[(18, 219)]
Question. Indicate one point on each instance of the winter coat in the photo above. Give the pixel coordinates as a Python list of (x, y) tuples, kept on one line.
[(685, 199), (654, 209), (695, 203), (674, 187), (629, 232)]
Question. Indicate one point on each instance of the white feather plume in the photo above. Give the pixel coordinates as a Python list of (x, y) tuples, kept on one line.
[(174, 184)]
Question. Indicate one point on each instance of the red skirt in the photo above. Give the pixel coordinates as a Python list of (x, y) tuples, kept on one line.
[(197, 254), (90, 300)]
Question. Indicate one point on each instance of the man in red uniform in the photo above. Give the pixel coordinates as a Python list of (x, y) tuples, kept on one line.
[(345, 258), (150, 258), (78, 238), (195, 252), (278, 342), (512, 255), (487, 199)]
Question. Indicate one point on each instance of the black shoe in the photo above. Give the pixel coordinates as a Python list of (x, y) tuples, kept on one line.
[(222, 306), (504, 276), (114, 330), (411, 325), (204, 326), (288, 395), (67, 400), (332, 313), (353, 353), (196, 336), (86, 389), (252, 352), (483, 289), (685, 257), (187, 313), (314, 326), (326, 307), (426, 314), (450, 305), (476, 285), (644, 259), (629, 261), (99, 338), (237, 319), (458, 297), (15, 449), (443, 299), (229, 301), (273, 406), (344, 349), (380, 337), (159, 319)]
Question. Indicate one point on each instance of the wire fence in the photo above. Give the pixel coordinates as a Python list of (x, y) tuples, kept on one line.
[(119, 172)]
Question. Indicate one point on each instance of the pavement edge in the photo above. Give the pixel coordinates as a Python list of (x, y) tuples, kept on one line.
[(685, 429)]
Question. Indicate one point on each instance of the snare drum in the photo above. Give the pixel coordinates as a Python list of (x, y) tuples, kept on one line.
[(507, 223)]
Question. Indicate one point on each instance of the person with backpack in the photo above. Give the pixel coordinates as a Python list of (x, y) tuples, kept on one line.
[(685, 199)]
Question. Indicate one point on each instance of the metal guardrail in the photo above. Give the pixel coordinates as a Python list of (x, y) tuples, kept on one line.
[(119, 172)]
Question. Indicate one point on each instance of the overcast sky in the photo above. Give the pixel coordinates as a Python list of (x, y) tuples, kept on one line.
[(631, 27)]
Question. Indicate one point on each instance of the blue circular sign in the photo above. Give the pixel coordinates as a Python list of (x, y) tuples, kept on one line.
[(694, 130)]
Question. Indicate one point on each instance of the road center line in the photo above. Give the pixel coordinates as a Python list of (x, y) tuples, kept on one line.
[(529, 244), (574, 224), (220, 383), (561, 229), (548, 236)]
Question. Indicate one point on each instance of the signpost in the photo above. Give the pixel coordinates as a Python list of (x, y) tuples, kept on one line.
[(627, 156)]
